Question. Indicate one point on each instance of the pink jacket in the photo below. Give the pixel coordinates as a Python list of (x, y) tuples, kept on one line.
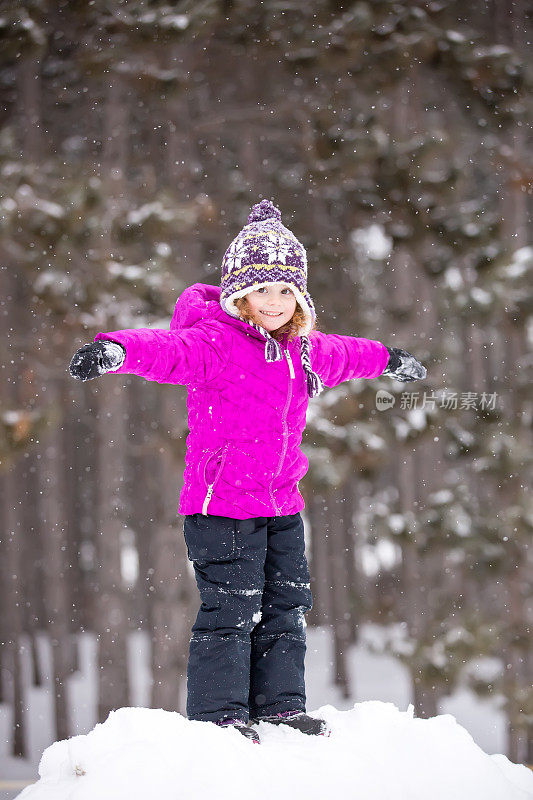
[(246, 416)]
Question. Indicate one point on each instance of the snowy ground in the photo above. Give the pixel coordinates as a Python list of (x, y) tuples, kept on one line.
[(374, 751), (373, 677)]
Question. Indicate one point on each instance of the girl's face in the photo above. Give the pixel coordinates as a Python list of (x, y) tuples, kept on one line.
[(272, 306)]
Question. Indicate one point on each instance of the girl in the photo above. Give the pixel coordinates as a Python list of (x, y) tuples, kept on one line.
[(250, 358)]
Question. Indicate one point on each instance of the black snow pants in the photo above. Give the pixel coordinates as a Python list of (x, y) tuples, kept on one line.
[(246, 657)]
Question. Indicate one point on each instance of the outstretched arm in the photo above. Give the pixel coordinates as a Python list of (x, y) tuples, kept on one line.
[(192, 356), (340, 358)]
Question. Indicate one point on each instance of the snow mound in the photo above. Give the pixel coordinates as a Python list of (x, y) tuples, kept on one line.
[(374, 751)]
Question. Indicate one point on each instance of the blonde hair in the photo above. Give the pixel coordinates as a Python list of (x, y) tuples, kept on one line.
[(292, 327)]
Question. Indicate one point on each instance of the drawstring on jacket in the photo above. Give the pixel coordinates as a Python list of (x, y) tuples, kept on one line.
[(314, 381)]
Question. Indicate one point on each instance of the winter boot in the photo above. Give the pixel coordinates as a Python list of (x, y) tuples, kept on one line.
[(240, 726), (300, 721)]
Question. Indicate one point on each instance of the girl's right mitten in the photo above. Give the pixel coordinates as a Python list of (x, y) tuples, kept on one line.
[(95, 359)]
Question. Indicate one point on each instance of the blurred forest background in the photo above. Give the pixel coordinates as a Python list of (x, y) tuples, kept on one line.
[(396, 139)]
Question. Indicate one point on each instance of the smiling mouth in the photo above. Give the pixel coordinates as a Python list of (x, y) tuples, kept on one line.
[(271, 313)]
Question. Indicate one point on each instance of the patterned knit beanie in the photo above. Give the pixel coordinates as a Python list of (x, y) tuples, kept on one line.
[(265, 252)]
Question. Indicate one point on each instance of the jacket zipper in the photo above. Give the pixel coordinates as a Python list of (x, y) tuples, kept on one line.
[(285, 432), (291, 368), (211, 486)]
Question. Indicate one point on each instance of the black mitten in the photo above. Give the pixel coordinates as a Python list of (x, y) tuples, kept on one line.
[(402, 366), (93, 360)]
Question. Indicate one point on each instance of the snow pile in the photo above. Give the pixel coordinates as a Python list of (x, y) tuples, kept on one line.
[(374, 751)]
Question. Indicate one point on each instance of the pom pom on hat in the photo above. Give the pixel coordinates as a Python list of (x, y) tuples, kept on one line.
[(262, 211)]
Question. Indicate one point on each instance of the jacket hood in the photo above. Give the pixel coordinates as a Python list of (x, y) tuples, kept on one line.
[(196, 303)]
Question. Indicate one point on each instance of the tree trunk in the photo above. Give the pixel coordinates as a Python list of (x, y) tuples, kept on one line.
[(112, 618), (30, 97), (12, 531), (337, 559), (111, 609), (34, 613), (12, 603), (352, 578), (425, 699), (55, 565), (171, 599)]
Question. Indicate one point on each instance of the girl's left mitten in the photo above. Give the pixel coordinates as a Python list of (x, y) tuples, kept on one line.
[(403, 366), (95, 359)]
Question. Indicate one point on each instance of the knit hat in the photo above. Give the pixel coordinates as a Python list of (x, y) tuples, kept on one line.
[(266, 252)]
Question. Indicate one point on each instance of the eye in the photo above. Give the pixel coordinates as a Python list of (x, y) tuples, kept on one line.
[(262, 289), (286, 289)]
